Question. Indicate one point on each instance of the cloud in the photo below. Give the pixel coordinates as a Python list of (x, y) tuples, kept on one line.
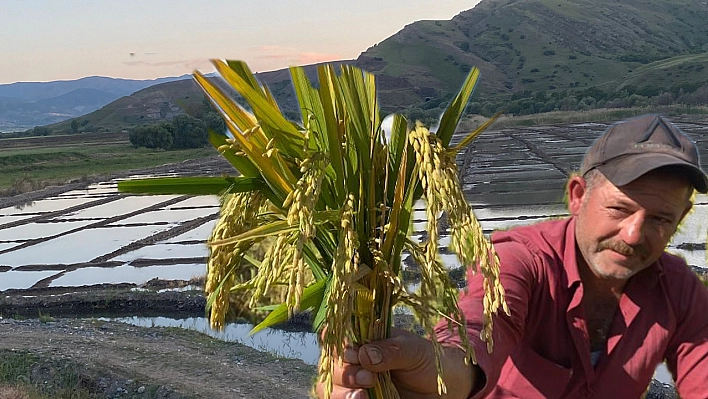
[(191, 63), (313, 58), (293, 55), (270, 49)]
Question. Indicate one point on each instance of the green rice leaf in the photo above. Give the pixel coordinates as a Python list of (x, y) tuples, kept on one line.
[(468, 139), (453, 113), (242, 69), (399, 140), (311, 299), (240, 162), (191, 185), (228, 106), (286, 134), (321, 309), (332, 128)]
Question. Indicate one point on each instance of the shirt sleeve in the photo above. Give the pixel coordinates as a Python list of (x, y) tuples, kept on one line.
[(687, 353), (517, 276)]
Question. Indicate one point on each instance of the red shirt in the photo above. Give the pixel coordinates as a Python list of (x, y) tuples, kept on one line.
[(542, 349)]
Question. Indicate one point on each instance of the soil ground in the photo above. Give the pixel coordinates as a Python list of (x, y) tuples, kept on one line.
[(112, 359)]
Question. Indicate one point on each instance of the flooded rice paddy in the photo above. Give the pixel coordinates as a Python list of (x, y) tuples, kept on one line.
[(511, 176), (153, 237)]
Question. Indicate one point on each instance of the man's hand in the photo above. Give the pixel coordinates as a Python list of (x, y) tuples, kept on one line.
[(411, 361)]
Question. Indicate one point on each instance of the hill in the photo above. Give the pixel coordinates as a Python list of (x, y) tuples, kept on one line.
[(162, 102), (34, 91), (534, 55), (548, 45)]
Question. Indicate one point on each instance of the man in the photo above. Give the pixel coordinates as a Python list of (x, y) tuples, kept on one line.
[(596, 304)]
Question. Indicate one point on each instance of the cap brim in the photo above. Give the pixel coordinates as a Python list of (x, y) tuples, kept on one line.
[(625, 170)]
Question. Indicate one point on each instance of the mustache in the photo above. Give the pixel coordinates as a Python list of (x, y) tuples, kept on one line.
[(621, 247)]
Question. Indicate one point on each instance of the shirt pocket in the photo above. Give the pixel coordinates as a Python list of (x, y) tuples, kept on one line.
[(529, 375)]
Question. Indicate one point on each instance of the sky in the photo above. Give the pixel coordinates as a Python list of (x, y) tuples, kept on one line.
[(45, 40)]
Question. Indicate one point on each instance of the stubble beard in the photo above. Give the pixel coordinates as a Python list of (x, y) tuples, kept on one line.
[(605, 268)]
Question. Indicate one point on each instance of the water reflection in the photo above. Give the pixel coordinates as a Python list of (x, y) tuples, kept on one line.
[(23, 280), (45, 205), (31, 231), (166, 251), (127, 274), (293, 345), (79, 247), (168, 215), (118, 207), (200, 233)]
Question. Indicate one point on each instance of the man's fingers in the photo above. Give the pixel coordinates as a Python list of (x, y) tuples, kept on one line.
[(339, 392), (352, 376), (405, 351), (351, 355)]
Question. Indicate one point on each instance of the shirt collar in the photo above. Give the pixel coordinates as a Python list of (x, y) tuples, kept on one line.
[(570, 259)]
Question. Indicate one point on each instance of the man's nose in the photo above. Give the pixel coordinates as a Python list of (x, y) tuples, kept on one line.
[(633, 227)]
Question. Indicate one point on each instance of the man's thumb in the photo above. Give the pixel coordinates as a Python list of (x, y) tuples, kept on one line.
[(403, 352)]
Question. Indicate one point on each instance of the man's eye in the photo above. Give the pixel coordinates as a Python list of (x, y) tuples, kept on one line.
[(662, 220), (619, 209)]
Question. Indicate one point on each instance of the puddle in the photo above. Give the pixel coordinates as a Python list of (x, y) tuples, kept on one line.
[(198, 201), (104, 188), (168, 215), (166, 251), (127, 274), (8, 245), (13, 218), (32, 231), (694, 228), (45, 205), (23, 280), (200, 233), (118, 207), (662, 374), (485, 212), (293, 345), (508, 223), (81, 246)]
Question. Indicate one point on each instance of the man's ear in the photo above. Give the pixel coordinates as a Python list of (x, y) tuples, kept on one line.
[(576, 189)]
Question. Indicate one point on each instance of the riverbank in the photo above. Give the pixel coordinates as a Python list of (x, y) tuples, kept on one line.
[(72, 358)]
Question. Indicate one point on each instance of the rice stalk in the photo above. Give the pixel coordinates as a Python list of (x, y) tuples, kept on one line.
[(334, 197)]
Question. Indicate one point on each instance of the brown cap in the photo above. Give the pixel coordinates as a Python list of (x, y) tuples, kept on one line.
[(632, 148)]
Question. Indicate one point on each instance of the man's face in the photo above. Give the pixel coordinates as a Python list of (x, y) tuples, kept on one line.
[(622, 230)]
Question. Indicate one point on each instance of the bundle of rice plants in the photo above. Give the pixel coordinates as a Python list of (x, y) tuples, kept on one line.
[(334, 194)]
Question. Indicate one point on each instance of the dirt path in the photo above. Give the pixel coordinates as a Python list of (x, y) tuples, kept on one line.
[(119, 360)]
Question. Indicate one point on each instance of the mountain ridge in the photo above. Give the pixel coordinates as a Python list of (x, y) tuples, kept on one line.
[(28, 104)]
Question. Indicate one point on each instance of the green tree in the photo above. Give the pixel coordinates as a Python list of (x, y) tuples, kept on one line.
[(41, 131), (158, 136), (74, 126), (189, 132), (215, 122)]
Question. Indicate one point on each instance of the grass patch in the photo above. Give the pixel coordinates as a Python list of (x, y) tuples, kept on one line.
[(30, 167), (23, 375), (45, 317), (595, 115)]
